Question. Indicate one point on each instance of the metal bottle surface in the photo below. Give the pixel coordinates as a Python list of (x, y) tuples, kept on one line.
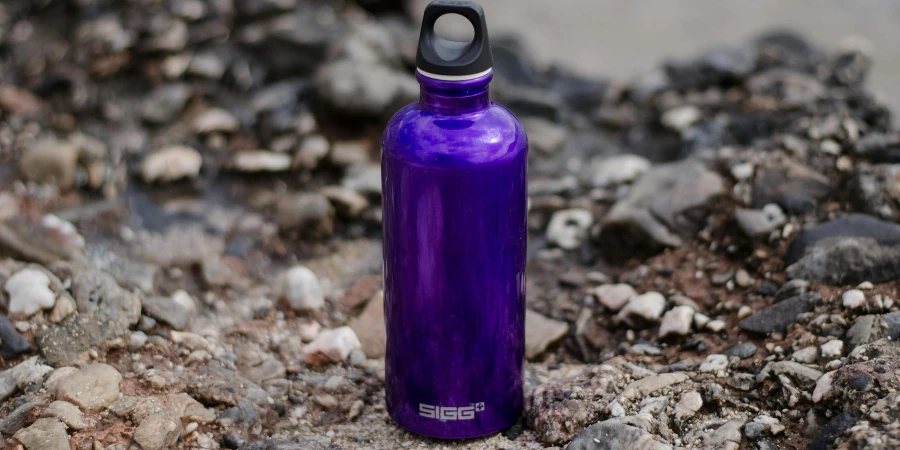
[(454, 198)]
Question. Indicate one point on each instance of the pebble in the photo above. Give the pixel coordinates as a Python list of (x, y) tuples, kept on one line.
[(50, 161), (681, 118), (157, 431), (715, 363), (12, 344), (741, 350), (44, 434), (744, 312), (541, 332), (92, 388), (647, 306), (832, 349), (760, 222), (853, 299), (690, 403), (300, 287), (67, 413), (569, 228), (171, 163), (618, 169), (806, 355), (614, 296), (29, 292), (216, 120), (743, 279), (349, 204), (544, 137), (310, 213), (177, 310), (701, 320), (677, 321), (824, 387), (780, 316), (165, 103), (369, 327), (269, 369), (253, 161), (312, 151), (716, 325), (331, 346)]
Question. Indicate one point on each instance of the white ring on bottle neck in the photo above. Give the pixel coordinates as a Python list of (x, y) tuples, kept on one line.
[(454, 77)]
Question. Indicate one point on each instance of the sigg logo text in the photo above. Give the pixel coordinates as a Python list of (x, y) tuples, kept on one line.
[(450, 412)]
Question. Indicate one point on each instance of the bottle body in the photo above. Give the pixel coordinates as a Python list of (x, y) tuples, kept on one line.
[(454, 198)]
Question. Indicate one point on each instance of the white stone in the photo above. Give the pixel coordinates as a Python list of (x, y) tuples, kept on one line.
[(677, 321), (701, 320), (854, 298), (616, 409), (690, 403), (29, 292), (806, 355), (301, 288), (614, 296), (681, 118), (716, 325), (714, 363), (648, 306), (824, 387), (171, 163), (216, 120), (832, 349), (331, 346), (309, 331), (618, 169), (742, 171), (744, 312), (569, 228), (261, 161)]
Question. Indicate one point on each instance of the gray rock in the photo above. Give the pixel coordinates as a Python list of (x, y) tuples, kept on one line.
[(613, 434), (848, 260), (760, 222), (665, 205), (216, 120), (835, 427), (16, 419), (365, 179), (544, 137), (754, 430), (780, 316), (541, 332), (165, 103), (853, 225), (269, 369), (879, 147), (21, 375), (171, 163), (877, 189), (256, 161), (177, 310), (791, 185), (67, 413), (50, 161), (362, 88), (97, 293), (870, 328), (92, 388), (741, 350), (158, 431), (65, 342), (726, 437), (288, 444), (12, 344), (300, 287), (615, 296), (617, 169), (44, 434), (805, 376), (309, 212)]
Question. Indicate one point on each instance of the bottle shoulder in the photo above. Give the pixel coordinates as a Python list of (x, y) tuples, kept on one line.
[(493, 134)]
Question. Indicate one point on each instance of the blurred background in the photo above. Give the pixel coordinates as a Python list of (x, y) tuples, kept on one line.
[(624, 39)]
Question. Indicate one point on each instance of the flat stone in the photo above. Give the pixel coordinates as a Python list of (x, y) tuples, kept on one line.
[(804, 375), (780, 316), (614, 296), (654, 215), (848, 260), (216, 120), (741, 350), (252, 161), (541, 332), (67, 413), (269, 369), (177, 310), (648, 385), (853, 225), (369, 327), (44, 434), (65, 342), (16, 419), (714, 363), (615, 435), (92, 388)]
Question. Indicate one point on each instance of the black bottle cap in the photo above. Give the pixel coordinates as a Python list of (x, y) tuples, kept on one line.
[(440, 56)]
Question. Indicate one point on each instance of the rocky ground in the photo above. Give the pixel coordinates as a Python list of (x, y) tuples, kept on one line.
[(191, 233)]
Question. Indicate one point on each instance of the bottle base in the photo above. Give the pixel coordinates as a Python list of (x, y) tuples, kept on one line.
[(474, 433)]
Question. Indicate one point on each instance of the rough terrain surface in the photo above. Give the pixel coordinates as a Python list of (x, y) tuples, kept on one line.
[(190, 233)]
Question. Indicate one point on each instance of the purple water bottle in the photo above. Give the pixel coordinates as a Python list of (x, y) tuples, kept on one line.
[(454, 185)]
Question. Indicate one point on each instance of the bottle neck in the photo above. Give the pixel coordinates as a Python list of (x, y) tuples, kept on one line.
[(454, 96)]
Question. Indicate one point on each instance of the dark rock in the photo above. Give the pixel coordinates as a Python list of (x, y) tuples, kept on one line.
[(843, 260), (791, 185), (12, 343), (783, 48), (860, 381), (721, 66), (767, 288), (854, 225), (231, 441), (666, 204), (17, 418), (836, 427), (742, 350), (879, 147), (780, 316), (65, 342), (792, 288), (865, 329)]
